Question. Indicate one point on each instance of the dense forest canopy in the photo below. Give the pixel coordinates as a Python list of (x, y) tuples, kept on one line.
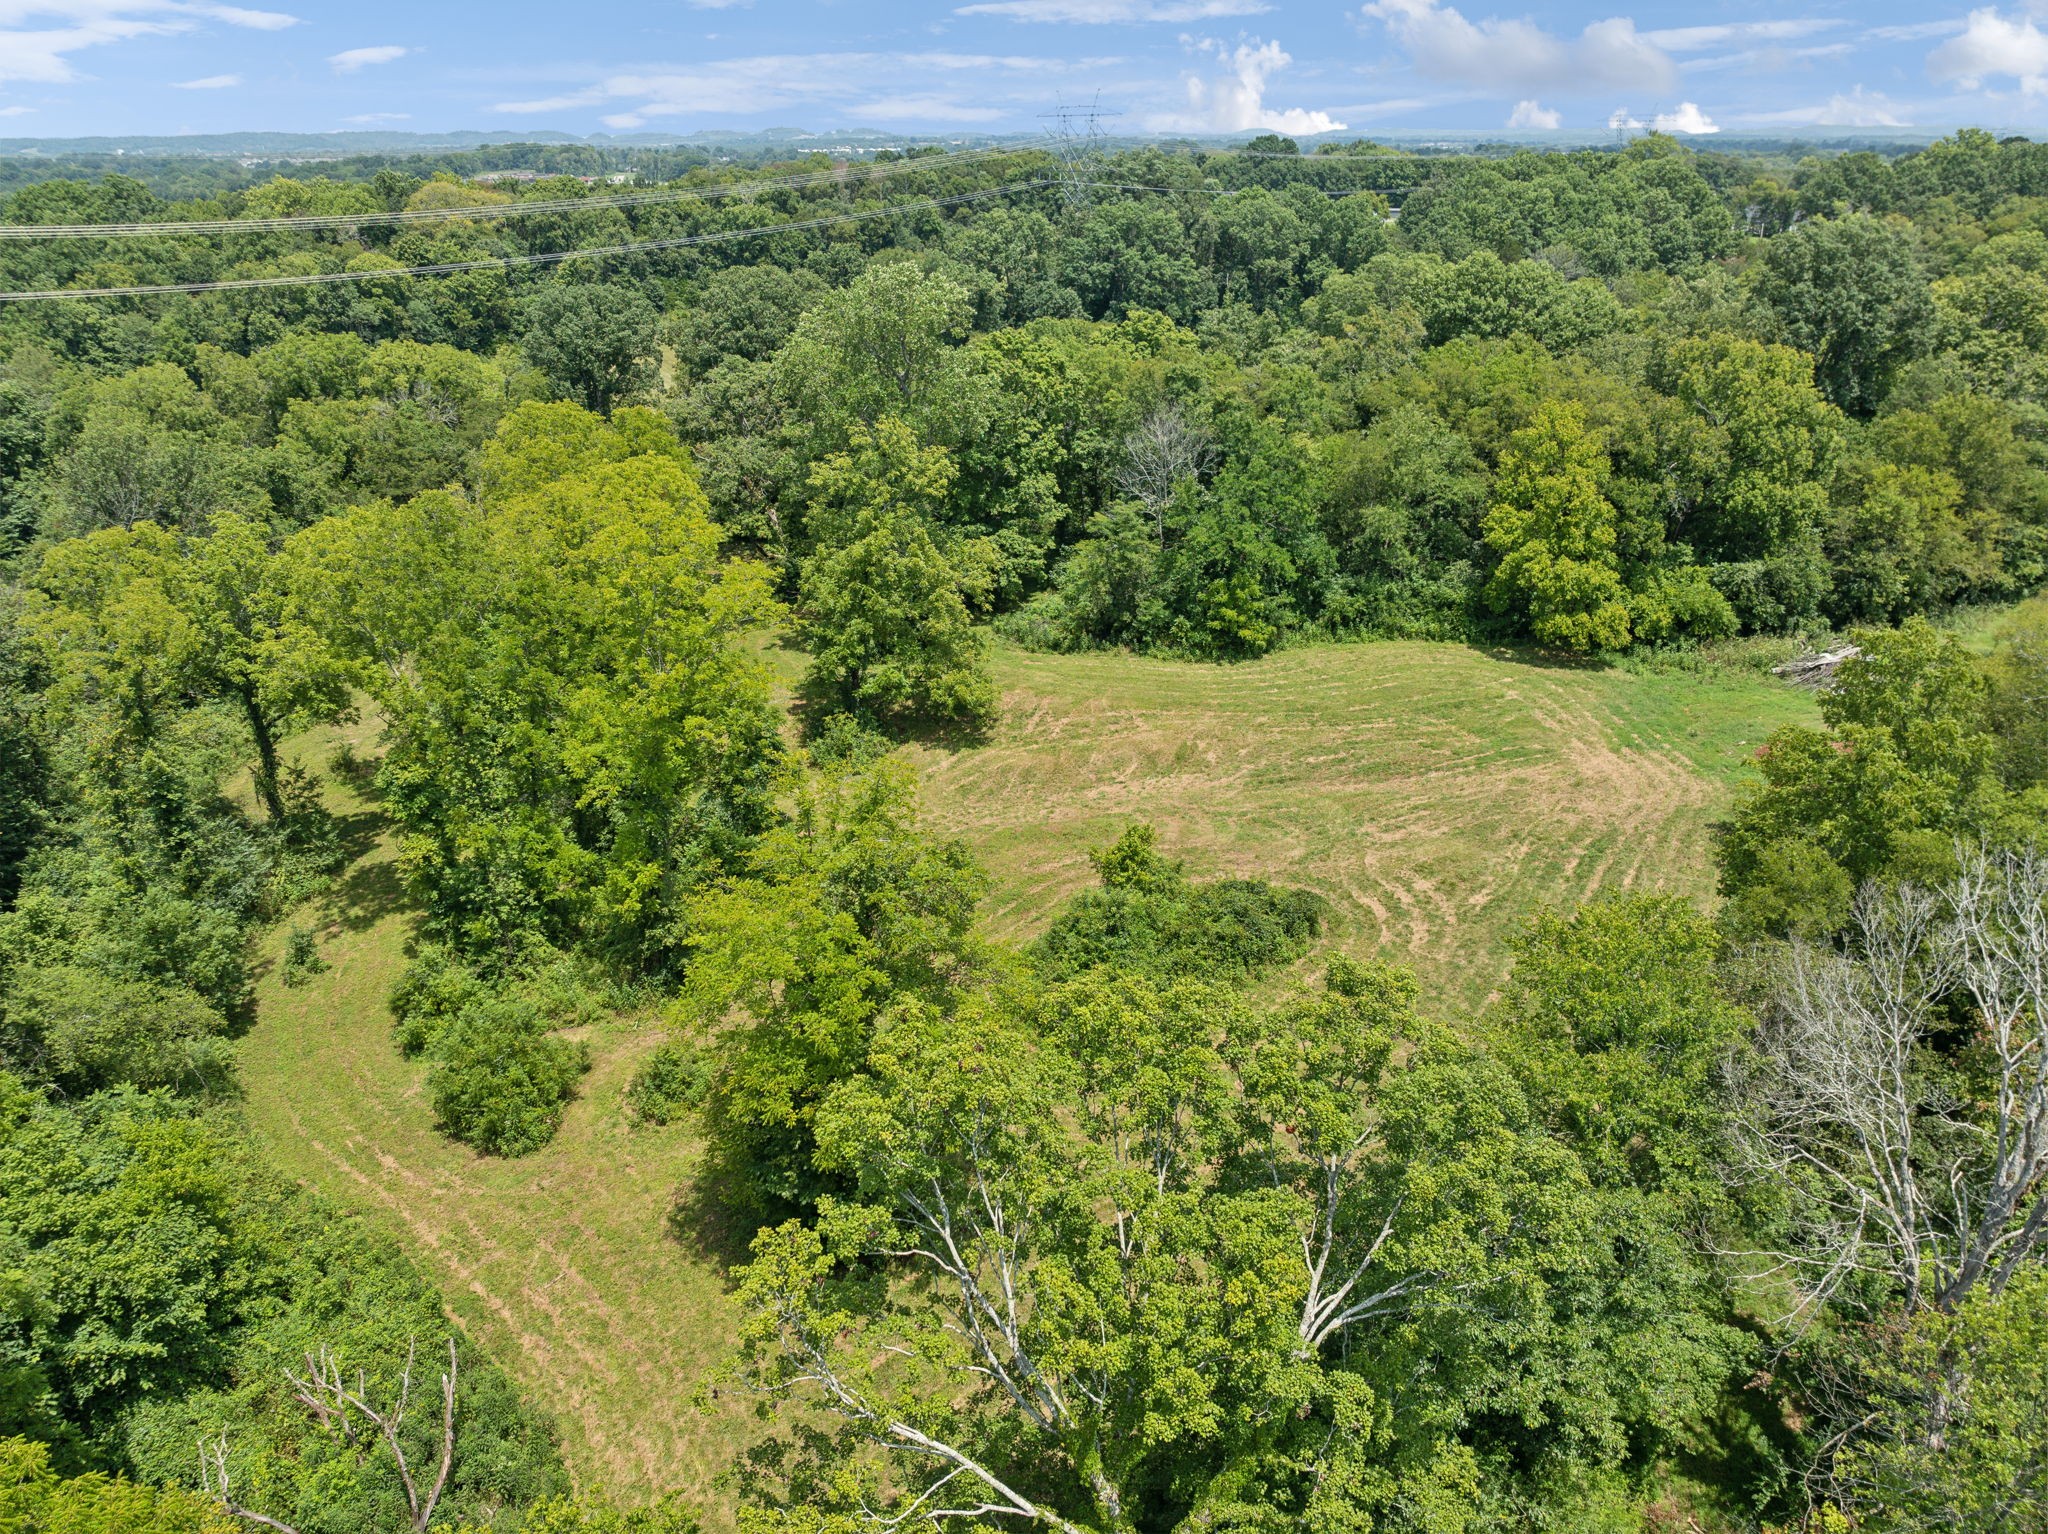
[(1173, 1217)]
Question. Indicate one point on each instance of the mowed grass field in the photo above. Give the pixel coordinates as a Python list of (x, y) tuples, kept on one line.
[(1436, 794)]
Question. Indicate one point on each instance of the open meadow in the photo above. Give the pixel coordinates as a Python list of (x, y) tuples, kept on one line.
[(1436, 794)]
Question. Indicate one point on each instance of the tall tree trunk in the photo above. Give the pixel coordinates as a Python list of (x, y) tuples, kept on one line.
[(267, 788)]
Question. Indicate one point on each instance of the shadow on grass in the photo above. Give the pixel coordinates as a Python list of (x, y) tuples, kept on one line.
[(366, 894), (715, 1219), (1544, 660)]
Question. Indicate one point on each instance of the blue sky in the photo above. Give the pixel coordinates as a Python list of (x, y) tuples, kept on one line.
[(70, 67)]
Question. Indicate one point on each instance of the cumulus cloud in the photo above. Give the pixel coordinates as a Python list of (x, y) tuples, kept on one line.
[(208, 83), (1512, 55), (1124, 11), (1688, 118), (1992, 45), (1235, 100), (37, 37), (349, 60), (1533, 114)]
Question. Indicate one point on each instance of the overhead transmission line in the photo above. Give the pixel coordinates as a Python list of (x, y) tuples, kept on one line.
[(496, 263), (315, 221), (628, 248)]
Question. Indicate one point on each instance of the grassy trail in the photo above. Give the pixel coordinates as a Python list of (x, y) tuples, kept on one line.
[(562, 1264), (1435, 794)]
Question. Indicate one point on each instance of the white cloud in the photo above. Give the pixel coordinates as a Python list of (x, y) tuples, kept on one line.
[(1687, 119), (349, 60), (1506, 55), (923, 85), (1988, 45), (371, 119), (1123, 11), (1532, 114), (1857, 108), (1917, 31), (15, 111), (1235, 101), (42, 53), (1725, 34), (207, 83)]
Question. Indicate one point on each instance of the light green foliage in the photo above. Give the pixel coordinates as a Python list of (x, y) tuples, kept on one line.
[(845, 906), (885, 345), (885, 610), (577, 736), (1906, 762), (34, 1499), (1993, 315), (142, 622), (1960, 1436), (1554, 533)]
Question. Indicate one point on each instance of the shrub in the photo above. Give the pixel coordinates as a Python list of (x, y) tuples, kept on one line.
[(671, 1083), (500, 1080), (434, 988), (1149, 918), (302, 959)]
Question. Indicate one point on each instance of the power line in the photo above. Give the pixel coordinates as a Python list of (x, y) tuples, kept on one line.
[(315, 221), (497, 263), (630, 248)]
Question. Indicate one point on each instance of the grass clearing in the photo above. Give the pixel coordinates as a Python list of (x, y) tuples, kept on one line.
[(561, 1264), (1434, 793)]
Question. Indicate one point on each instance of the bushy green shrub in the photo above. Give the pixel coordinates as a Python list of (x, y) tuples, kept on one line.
[(671, 1083), (500, 1080), (434, 988), (1149, 918)]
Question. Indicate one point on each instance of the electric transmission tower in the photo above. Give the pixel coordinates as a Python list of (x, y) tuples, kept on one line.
[(1078, 140)]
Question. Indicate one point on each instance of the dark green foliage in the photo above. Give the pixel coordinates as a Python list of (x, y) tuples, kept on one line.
[(594, 342), (500, 1079), (1851, 292), (1149, 918)]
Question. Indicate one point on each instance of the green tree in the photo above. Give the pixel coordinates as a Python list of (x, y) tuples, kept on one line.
[(1126, 1255), (153, 619), (885, 614), (1850, 291), (579, 736), (1554, 533), (595, 342), (888, 344), (844, 908)]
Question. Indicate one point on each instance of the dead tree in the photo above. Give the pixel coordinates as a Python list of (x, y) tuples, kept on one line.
[(324, 1390), (1816, 670), (1163, 450), (213, 1481), (1935, 1183)]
